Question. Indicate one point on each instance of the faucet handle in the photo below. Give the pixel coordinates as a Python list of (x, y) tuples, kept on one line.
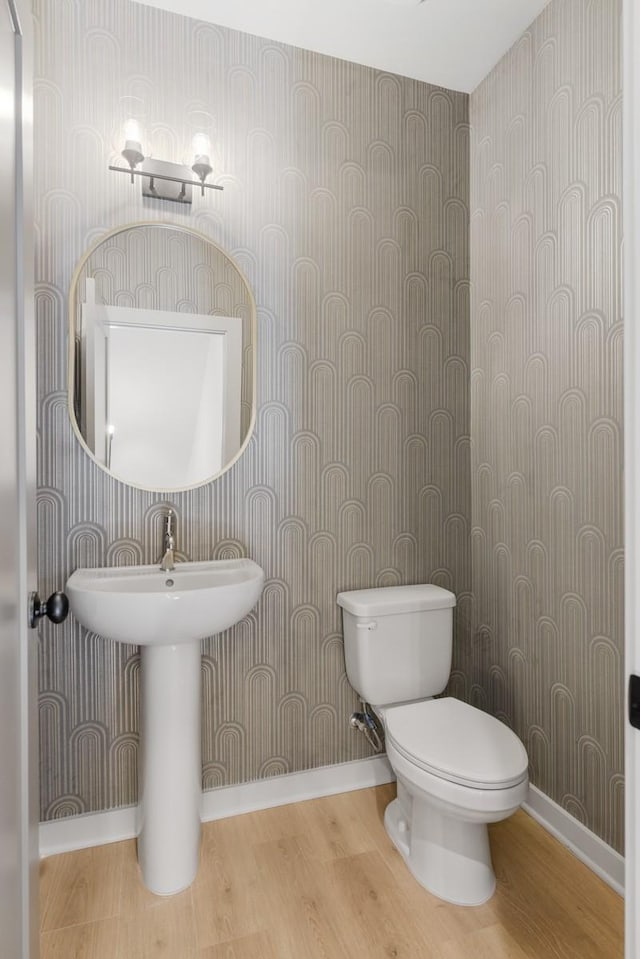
[(169, 534)]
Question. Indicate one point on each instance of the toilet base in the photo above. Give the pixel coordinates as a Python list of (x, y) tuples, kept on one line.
[(451, 858)]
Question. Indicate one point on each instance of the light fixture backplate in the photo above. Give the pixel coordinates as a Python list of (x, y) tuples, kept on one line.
[(166, 189)]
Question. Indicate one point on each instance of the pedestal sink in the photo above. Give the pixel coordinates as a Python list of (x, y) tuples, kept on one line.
[(167, 614)]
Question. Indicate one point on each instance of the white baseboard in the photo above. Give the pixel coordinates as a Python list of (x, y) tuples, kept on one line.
[(593, 851), (295, 787), (91, 829), (97, 829)]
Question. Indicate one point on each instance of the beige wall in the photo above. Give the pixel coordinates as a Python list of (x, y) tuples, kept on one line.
[(546, 406), (346, 204)]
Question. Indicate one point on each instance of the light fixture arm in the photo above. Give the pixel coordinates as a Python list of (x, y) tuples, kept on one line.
[(173, 179)]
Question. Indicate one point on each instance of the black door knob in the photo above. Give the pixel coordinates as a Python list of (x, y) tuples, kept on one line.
[(56, 608)]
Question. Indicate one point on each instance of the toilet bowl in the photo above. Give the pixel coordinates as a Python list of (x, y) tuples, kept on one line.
[(458, 768), (474, 774)]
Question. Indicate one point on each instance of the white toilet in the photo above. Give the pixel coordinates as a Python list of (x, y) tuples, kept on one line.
[(458, 768)]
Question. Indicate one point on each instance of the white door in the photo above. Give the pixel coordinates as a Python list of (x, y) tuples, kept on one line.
[(18, 644), (631, 198)]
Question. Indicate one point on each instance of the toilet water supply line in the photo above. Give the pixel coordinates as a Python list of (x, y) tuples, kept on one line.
[(368, 723)]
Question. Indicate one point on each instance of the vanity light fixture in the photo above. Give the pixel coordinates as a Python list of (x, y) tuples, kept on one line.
[(162, 180)]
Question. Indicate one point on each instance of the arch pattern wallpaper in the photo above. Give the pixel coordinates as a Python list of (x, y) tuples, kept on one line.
[(546, 406)]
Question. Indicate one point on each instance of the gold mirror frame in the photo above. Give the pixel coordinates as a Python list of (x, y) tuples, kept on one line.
[(71, 352)]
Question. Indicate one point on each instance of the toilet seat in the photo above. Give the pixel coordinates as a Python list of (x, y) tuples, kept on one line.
[(454, 741)]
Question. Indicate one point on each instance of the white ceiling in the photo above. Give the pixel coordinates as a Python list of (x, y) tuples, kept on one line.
[(453, 43)]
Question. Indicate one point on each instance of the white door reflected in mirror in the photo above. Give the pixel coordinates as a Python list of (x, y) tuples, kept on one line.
[(160, 392)]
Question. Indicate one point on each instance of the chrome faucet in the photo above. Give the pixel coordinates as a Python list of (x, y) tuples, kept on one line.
[(168, 543)]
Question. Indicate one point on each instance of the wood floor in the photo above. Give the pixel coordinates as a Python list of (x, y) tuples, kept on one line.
[(321, 879)]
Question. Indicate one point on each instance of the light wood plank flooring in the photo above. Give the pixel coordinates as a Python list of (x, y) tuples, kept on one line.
[(322, 879)]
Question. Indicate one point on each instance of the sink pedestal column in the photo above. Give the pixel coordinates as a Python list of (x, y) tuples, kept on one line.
[(170, 767)]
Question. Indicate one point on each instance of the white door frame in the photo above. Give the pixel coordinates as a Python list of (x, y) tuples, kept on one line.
[(631, 219), (27, 484)]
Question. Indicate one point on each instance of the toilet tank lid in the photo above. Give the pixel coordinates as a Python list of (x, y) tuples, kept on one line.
[(395, 599)]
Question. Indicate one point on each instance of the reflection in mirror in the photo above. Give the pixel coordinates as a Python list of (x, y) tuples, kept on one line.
[(162, 357)]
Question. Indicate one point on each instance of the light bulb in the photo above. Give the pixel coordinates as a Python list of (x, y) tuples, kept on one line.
[(201, 145), (132, 130)]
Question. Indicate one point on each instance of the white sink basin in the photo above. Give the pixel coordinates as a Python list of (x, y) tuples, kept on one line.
[(145, 606)]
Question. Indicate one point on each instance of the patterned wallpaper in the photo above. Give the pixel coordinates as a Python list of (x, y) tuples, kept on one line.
[(346, 205), (546, 406)]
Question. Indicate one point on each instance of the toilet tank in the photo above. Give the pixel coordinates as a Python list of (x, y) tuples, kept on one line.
[(398, 641)]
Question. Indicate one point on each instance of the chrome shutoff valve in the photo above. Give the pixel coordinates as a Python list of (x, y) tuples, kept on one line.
[(359, 721), (366, 723)]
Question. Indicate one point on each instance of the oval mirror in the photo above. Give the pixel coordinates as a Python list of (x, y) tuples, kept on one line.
[(162, 337)]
